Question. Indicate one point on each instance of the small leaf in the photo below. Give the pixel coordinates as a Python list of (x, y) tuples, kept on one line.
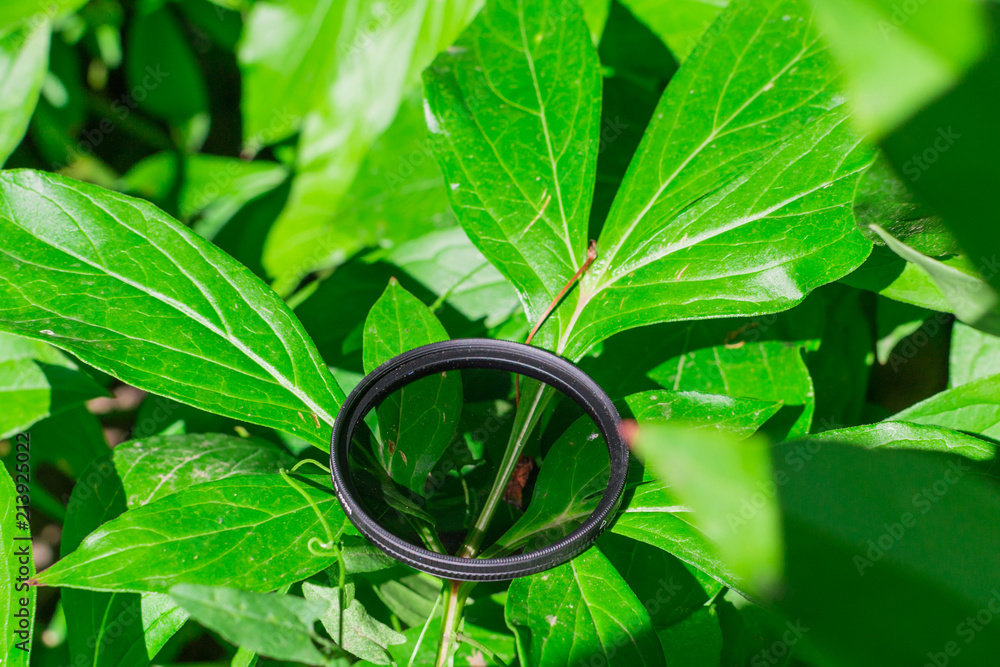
[(974, 355), (447, 263), (17, 604), (277, 626), (37, 381), (177, 316), (973, 407), (24, 60), (972, 299), (247, 531), (417, 422), (581, 611), (351, 626)]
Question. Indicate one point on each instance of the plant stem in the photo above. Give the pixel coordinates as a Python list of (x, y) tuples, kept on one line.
[(451, 619), (537, 396)]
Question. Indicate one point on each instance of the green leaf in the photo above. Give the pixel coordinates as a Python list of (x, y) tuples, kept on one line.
[(160, 63), (449, 265), (177, 316), (156, 467), (900, 435), (246, 531), (971, 299), (410, 596), (866, 540), (136, 473), (17, 604), (974, 355), (278, 626), (24, 60), (37, 381), (681, 24), (670, 589), (699, 227), (581, 611), (759, 358), (888, 275), (417, 422), (374, 60), (514, 111), (351, 626), (973, 407), (898, 57), (727, 484), (697, 640)]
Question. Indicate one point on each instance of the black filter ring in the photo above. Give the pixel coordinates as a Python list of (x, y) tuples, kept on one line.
[(489, 354)]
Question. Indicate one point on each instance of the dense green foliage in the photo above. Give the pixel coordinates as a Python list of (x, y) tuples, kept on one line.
[(761, 225)]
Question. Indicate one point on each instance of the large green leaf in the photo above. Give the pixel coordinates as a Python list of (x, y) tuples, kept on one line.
[(899, 56), (136, 473), (16, 568), (974, 355), (868, 554), (581, 611), (351, 626), (278, 626), (681, 24), (36, 381), (417, 422), (374, 54), (246, 531), (514, 112), (699, 227), (173, 314), (24, 60), (973, 407)]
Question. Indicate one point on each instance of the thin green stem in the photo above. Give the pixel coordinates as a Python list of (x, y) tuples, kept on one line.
[(451, 620), (420, 639), (527, 417)]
